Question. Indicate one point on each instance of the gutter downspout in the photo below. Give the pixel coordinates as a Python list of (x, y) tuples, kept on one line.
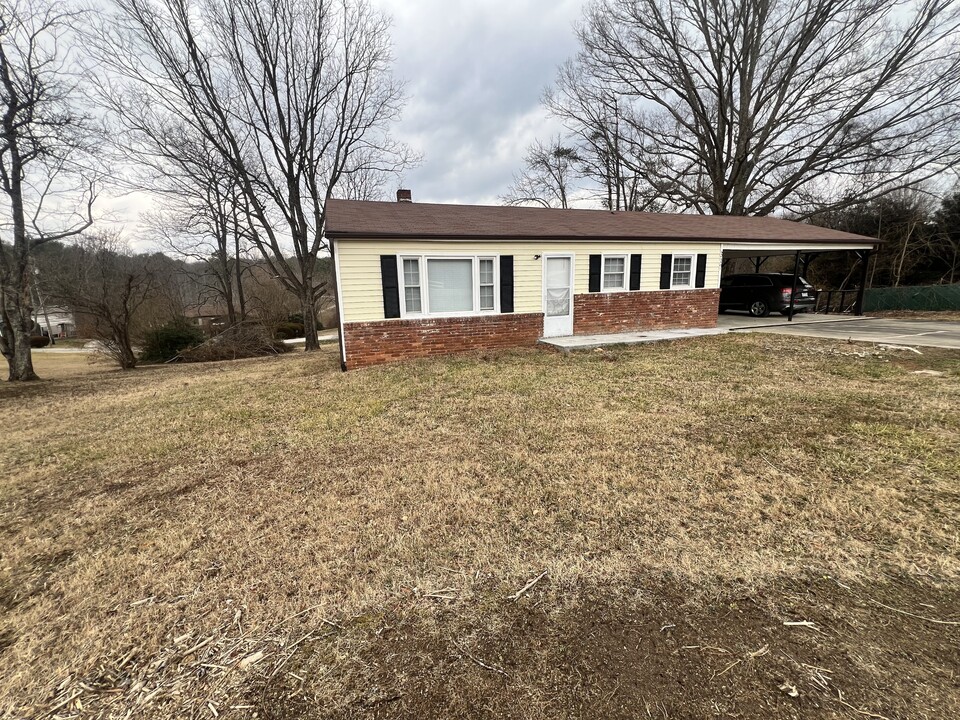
[(341, 340)]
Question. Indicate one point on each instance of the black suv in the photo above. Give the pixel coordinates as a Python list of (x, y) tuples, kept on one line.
[(759, 293)]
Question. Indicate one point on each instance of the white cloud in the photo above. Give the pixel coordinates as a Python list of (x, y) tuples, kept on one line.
[(475, 72)]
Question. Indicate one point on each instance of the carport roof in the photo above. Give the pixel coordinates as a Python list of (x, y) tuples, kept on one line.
[(371, 220)]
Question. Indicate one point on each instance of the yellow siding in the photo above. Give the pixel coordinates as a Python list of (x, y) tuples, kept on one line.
[(359, 267)]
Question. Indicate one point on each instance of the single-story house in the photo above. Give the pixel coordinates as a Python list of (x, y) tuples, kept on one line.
[(419, 279)]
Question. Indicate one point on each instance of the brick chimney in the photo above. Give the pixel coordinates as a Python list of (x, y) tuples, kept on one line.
[(404, 196)]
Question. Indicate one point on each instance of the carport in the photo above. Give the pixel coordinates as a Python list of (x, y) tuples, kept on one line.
[(803, 253)]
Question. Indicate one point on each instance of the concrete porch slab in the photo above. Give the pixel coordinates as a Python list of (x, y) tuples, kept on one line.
[(588, 342)]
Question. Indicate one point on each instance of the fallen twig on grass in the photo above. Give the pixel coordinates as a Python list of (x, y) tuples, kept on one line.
[(857, 710), (477, 660), (801, 623), (728, 667), (525, 588), (914, 615), (447, 593)]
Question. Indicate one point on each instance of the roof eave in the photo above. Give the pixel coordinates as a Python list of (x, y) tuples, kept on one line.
[(349, 235)]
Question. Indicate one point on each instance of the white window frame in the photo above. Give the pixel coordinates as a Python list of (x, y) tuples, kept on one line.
[(403, 286), (693, 271), (493, 283), (425, 284), (626, 272)]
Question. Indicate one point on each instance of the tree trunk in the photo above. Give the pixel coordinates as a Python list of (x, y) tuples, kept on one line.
[(128, 360), (308, 308), (21, 361), (16, 275)]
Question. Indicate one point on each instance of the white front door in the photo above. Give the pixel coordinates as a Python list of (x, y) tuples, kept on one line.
[(557, 295)]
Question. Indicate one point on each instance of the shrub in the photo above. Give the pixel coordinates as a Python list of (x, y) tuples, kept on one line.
[(39, 341), (288, 330), (244, 340), (168, 341)]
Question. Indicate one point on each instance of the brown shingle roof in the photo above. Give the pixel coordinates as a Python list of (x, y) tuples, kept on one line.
[(363, 219)]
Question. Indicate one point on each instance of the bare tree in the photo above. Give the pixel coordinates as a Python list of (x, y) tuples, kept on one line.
[(752, 106), (110, 287), (48, 189), (295, 96), (604, 131), (202, 220), (547, 177), (946, 242)]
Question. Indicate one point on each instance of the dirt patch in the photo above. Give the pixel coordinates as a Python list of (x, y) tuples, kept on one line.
[(660, 656)]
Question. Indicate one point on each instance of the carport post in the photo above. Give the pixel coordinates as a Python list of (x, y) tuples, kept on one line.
[(864, 256), (793, 293)]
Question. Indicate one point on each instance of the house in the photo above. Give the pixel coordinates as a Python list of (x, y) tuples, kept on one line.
[(56, 321), (210, 319), (419, 279)]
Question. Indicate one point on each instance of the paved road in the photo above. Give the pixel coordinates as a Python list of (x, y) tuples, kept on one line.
[(926, 333)]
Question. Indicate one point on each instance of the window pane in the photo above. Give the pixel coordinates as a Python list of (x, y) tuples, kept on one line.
[(486, 272), (451, 285), (411, 272), (558, 302), (613, 264), (613, 280), (412, 298), (682, 267), (486, 297), (558, 272)]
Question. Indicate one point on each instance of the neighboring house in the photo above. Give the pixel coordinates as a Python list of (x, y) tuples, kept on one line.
[(210, 319), (59, 321), (417, 279)]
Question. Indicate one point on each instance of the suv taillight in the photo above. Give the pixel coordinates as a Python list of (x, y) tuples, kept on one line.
[(786, 292)]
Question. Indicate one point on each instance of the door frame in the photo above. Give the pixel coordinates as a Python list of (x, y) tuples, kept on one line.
[(543, 292)]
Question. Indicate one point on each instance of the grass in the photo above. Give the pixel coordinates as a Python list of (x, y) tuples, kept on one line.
[(363, 530), (943, 315)]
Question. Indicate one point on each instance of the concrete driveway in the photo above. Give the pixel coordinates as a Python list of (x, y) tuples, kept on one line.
[(925, 333)]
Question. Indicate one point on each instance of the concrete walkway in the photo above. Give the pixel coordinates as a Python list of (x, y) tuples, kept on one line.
[(916, 333), (588, 342), (745, 321)]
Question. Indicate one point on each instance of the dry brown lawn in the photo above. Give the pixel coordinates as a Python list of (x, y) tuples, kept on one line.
[(943, 315), (274, 538)]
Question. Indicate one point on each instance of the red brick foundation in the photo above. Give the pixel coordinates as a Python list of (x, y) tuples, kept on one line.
[(597, 313), (372, 343)]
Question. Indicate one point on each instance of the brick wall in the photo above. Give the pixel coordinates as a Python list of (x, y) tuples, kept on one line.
[(596, 313), (372, 343)]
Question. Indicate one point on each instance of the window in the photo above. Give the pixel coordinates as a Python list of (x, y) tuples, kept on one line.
[(614, 273), (449, 285), (412, 298), (682, 271), (487, 292)]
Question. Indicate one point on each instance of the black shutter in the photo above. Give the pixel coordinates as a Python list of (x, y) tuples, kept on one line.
[(594, 285), (635, 271), (506, 283), (666, 269), (701, 280), (391, 288)]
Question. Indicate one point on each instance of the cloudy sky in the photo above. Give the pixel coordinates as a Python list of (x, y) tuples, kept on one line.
[(475, 71)]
